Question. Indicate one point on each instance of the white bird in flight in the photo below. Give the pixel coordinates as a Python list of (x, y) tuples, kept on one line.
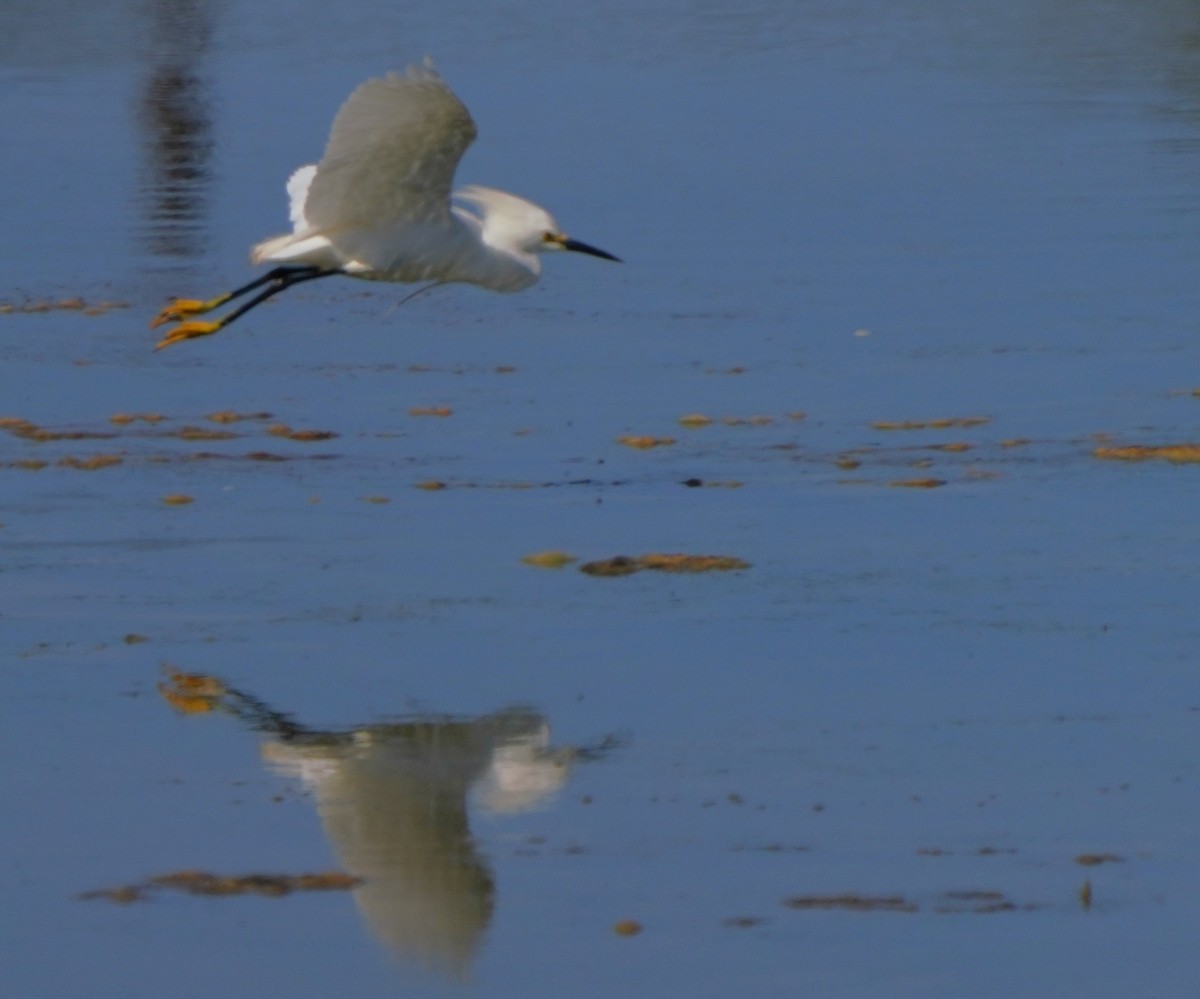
[(378, 207)]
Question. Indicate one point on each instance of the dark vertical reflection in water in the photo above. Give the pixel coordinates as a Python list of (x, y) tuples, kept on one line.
[(174, 114)]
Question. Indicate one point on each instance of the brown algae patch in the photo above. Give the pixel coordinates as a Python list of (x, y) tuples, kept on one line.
[(625, 565), (283, 430), (73, 304), (232, 416), (204, 883), (928, 483), (431, 411), (549, 559), (189, 433), (852, 903), (942, 424), (91, 464), (644, 442), (1176, 453), (1096, 859), (627, 928), (177, 499)]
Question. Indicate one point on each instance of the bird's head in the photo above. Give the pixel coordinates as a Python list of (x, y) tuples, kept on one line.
[(519, 226)]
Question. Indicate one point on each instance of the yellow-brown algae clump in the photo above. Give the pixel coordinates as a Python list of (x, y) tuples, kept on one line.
[(283, 430), (430, 411), (1177, 453), (177, 499), (643, 441), (627, 928), (918, 483), (624, 565), (91, 464), (942, 424), (549, 559), (692, 563), (695, 420), (202, 434)]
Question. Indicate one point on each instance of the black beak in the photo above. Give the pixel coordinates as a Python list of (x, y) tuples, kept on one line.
[(578, 247)]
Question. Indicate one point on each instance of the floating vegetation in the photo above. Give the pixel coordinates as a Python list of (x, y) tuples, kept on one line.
[(189, 433), (91, 464), (430, 411), (963, 901), (549, 559), (695, 420), (177, 499), (74, 304), (1177, 453), (431, 485), (643, 442), (719, 484), (124, 419), (747, 421), (851, 902), (624, 565), (944, 424), (30, 431), (929, 483), (743, 922), (204, 883), (283, 430), (1096, 859), (232, 416), (627, 928)]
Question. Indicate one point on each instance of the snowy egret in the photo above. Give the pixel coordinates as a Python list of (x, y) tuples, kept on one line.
[(378, 207)]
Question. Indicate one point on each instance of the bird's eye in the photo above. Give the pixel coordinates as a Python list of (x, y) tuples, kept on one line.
[(549, 237)]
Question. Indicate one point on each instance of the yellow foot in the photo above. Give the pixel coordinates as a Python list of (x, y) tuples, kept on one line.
[(188, 331), (181, 307)]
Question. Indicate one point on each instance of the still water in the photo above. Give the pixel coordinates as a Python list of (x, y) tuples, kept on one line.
[(915, 264)]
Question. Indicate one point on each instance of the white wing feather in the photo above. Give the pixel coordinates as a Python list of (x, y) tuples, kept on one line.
[(391, 156), (297, 189)]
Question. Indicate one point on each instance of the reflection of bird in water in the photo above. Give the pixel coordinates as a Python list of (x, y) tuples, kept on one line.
[(393, 800), (378, 207)]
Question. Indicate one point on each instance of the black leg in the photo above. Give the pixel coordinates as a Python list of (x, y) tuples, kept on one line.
[(280, 279)]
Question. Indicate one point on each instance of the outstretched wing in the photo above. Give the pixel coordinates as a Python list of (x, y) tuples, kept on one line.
[(391, 156)]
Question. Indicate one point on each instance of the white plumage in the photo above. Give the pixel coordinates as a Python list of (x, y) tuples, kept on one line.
[(378, 206)]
